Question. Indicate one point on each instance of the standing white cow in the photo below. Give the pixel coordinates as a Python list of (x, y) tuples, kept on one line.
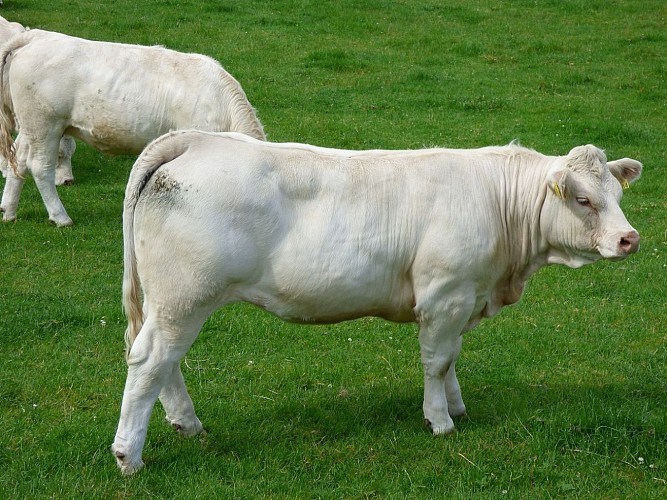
[(115, 97), (438, 237), (64, 174)]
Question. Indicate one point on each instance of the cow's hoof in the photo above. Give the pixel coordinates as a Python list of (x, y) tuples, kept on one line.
[(186, 429), (439, 430), (126, 466), (65, 182), (457, 412), (66, 222)]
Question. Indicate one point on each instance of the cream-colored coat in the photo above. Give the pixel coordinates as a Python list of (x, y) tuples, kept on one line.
[(115, 97), (67, 145), (438, 237)]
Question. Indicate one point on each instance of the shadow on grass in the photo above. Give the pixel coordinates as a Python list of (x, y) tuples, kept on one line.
[(567, 416)]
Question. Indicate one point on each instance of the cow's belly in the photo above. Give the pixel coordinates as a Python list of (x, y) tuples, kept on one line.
[(306, 297), (120, 123), (125, 133), (111, 140)]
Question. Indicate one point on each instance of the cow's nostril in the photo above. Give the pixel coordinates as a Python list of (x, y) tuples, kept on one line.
[(630, 242)]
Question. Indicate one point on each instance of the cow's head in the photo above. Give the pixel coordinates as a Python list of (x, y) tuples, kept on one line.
[(581, 218)]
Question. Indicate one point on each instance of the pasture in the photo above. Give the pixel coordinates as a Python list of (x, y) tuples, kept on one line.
[(566, 391)]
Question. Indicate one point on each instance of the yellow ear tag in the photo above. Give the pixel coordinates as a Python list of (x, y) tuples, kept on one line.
[(625, 184), (557, 190)]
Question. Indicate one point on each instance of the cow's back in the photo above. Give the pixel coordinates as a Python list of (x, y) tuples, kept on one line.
[(118, 97)]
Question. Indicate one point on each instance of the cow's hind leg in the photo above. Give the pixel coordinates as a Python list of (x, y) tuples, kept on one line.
[(14, 183), (152, 362), (178, 405), (41, 161), (180, 411), (10, 196)]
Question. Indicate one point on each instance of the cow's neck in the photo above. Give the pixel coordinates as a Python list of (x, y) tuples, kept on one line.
[(526, 192)]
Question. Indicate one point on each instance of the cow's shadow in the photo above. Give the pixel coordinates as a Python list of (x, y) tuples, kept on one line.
[(379, 415)]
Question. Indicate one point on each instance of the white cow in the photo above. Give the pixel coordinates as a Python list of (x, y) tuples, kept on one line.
[(438, 237), (9, 29), (67, 144), (115, 97)]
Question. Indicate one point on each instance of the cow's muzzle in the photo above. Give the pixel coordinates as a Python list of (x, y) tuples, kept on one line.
[(629, 243)]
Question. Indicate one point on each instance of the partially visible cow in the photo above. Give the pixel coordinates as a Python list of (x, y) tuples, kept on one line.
[(439, 237), (64, 175), (115, 97), (8, 29), (67, 144)]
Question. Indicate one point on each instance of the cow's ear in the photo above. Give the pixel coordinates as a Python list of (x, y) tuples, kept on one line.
[(556, 182), (626, 170)]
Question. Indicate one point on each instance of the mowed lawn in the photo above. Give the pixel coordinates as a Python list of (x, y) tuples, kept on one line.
[(566, 391)]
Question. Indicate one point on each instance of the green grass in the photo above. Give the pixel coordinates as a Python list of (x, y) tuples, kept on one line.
[(566, 391)]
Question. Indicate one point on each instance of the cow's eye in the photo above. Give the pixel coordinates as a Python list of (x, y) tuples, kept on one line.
[(583, 201)]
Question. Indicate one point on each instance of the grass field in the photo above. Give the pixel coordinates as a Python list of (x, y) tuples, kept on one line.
[(566, 391)]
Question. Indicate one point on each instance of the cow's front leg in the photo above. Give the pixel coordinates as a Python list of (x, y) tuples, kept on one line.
[(455, 403), (440, 344), (178, 405), (437, 365)]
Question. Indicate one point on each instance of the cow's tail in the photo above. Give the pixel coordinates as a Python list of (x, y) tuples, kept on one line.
[(7, 122), (162, 150)]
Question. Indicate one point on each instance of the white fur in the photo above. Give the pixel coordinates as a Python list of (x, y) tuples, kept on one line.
[(115, 97), (67, 145), (438, 237)]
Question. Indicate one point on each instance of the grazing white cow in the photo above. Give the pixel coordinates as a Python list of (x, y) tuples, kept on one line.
[(67, 144), (439, 237), (115, 97)]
